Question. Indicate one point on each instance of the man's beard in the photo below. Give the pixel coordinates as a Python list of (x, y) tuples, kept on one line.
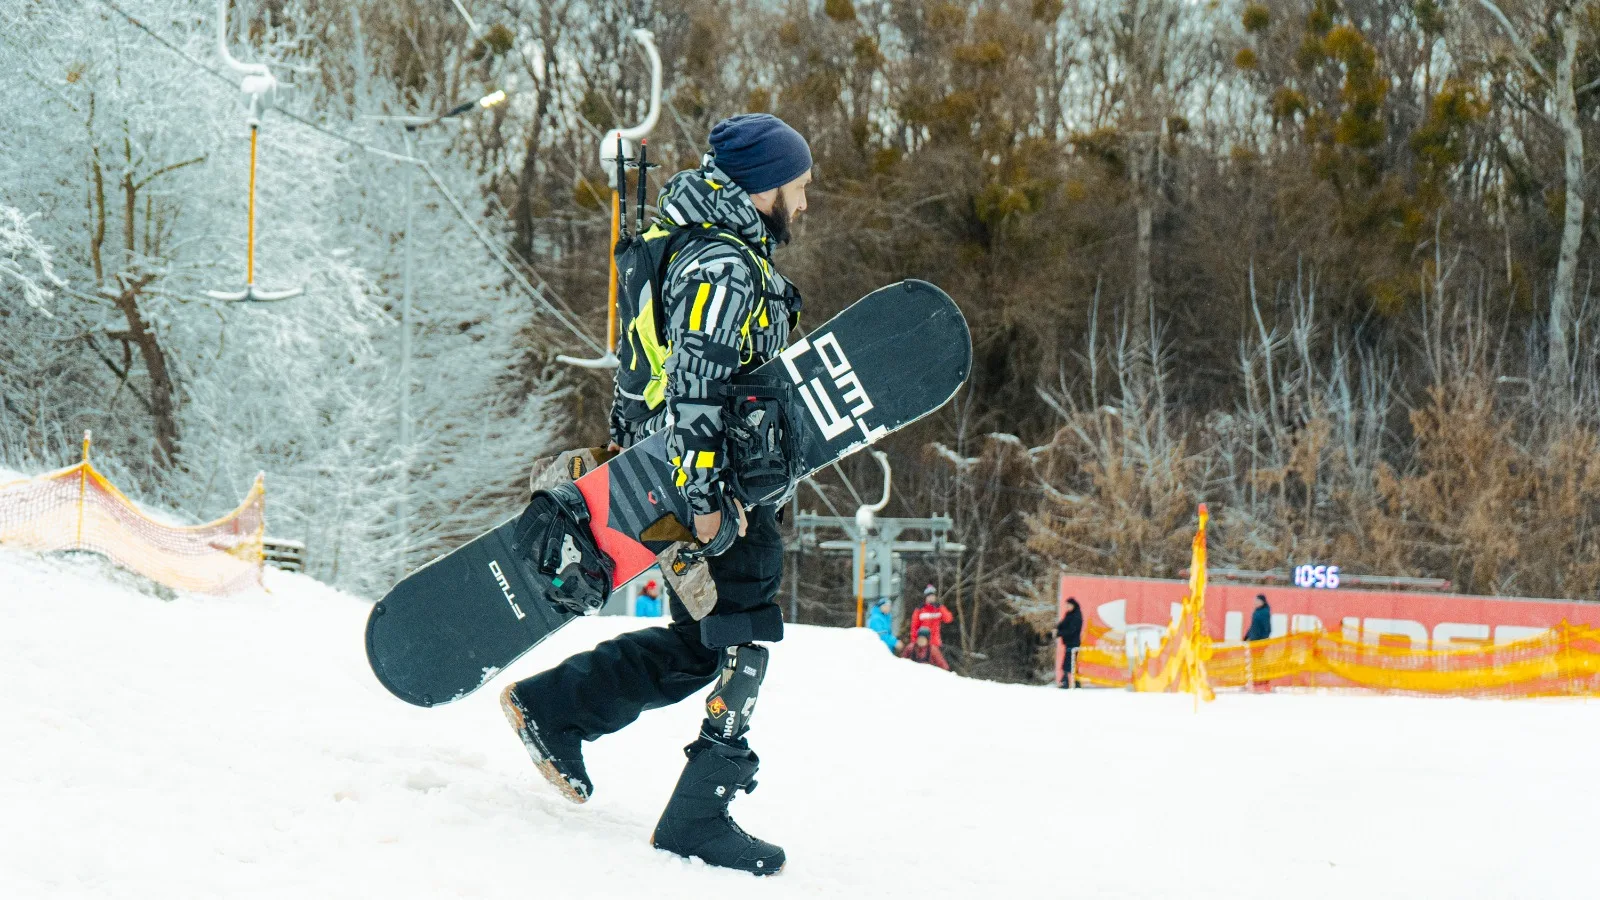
[(778, 222)]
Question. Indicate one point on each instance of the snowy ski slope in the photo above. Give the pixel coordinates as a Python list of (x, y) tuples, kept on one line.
[(238, 747)]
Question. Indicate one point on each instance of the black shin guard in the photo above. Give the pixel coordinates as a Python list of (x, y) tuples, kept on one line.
[(733, 700)]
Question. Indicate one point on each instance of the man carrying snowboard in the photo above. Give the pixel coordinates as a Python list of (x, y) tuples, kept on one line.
[(724, 311)]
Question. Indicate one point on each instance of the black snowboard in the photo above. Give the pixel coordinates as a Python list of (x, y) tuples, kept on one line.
[(891, 358)]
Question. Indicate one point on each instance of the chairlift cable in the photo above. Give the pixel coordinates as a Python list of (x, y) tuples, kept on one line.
[(824, 495), (498, 252), (846, 479), (473, 26)]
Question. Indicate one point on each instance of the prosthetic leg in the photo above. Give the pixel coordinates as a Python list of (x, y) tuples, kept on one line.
[(696, 821)]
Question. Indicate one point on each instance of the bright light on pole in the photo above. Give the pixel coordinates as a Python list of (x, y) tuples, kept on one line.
[(483, 102)]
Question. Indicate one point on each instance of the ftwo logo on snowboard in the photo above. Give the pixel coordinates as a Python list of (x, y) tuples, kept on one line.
[(505, 586), (851, 394)]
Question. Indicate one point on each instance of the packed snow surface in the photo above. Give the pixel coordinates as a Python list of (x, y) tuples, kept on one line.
[(239, 747)]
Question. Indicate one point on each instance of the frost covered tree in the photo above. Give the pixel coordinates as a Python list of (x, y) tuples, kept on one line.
[(28, 288), (134, 162)]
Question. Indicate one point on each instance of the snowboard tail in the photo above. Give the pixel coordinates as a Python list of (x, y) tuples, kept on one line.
[(483, 610), (896, 355)]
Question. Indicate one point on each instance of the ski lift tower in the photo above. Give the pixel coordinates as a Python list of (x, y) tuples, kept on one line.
[(877, 552)]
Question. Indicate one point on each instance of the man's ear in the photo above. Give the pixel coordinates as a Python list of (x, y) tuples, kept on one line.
[(765, 200)]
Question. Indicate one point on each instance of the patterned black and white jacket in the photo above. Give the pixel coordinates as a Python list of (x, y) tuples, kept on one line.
[(727, 312)]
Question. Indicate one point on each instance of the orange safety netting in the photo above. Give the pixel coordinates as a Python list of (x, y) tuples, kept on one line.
[(1563, 661), (76, 508), (1180, 664)]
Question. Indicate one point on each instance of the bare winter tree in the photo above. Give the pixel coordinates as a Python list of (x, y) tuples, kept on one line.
[(1149, 54), (1554, 24)]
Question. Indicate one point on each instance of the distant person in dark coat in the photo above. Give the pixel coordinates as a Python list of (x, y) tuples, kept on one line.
[(1070, 632), (1260, 620), (923, 651)]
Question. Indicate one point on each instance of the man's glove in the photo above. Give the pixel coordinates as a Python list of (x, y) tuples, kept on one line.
[(727, 530)]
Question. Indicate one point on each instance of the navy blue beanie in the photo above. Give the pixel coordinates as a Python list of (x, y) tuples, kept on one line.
[(759, 151)]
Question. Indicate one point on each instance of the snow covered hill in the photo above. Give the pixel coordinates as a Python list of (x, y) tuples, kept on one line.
[(238, 747)]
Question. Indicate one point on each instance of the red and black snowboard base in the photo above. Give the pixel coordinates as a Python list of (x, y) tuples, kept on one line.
[(892, 357)]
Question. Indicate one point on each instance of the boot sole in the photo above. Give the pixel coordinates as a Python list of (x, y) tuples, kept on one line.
[(519, 724), (759, 873)]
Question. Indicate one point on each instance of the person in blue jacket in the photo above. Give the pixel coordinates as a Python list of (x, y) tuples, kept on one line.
[(882, 621), (1260, 620), (648, 603)]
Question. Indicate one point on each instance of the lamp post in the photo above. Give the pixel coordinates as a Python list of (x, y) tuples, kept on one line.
[(414, 124)]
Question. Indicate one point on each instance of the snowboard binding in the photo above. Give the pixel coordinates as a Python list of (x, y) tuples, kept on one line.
[(764, 455), (554, 539), (763, 452)]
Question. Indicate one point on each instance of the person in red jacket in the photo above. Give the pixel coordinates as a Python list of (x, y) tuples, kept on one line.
[(930, 615), (924, 652)]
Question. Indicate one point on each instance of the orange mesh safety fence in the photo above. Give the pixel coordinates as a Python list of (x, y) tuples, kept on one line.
[(1182, 661), (1104, 664), (1563, 661), (76, 508)]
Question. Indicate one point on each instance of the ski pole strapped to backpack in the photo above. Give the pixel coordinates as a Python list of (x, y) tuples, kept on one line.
[(643, 346)]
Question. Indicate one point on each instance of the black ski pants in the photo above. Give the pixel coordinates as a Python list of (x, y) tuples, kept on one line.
[(1066, 666), (603, 690)]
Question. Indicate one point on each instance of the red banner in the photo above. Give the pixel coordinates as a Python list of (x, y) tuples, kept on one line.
[(1420, 620)]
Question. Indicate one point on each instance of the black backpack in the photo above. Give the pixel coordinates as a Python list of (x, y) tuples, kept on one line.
[(642, 348)]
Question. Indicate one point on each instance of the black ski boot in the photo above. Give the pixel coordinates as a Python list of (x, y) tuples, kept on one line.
[(696, 821), (558, 754)]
